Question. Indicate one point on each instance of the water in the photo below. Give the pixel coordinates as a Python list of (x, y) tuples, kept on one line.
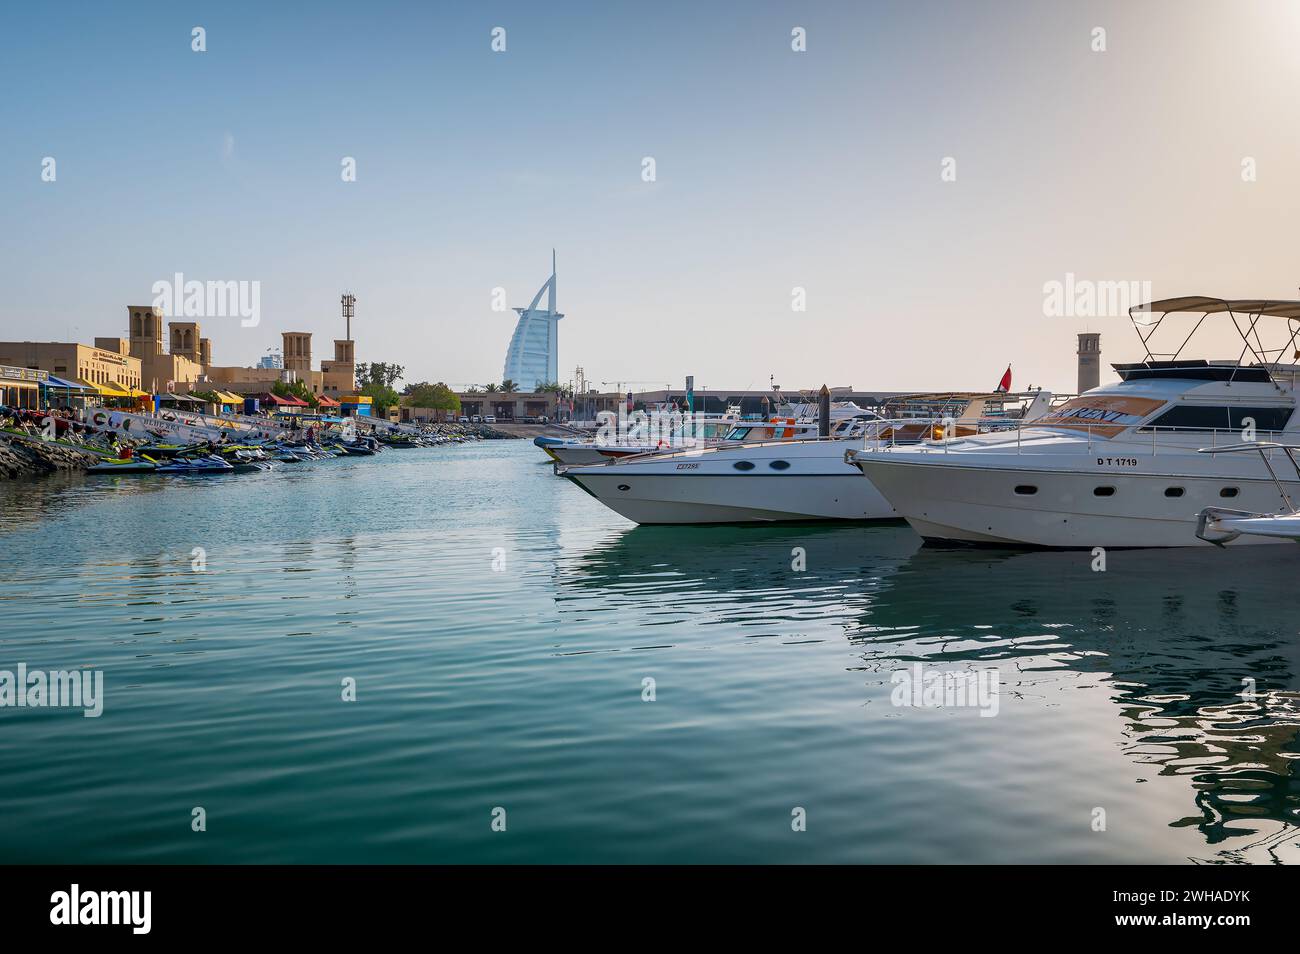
[(522, 688)]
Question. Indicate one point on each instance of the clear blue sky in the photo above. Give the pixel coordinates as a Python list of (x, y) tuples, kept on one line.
[(775, 169)]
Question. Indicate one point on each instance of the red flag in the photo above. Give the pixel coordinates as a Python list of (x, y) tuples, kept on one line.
[(1005, 384)]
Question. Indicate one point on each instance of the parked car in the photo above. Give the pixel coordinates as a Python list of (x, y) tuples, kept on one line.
[(542, 419), (476, 419), (490, 419), (462, 419)]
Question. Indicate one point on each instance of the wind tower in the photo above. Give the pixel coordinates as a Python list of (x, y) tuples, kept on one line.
[(532, 359), (1089, 354)]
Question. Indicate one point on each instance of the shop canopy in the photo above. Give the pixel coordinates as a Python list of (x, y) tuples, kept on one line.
[(279, 401), (227, 398), (59, 384), (326, 401), (180, 398)]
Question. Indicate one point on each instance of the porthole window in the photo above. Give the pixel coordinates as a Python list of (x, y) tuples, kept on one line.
[(624, 487), (1228, 492), (779, 464), (1173, 491), (743, 465), (1103, 491), (1026, 490)]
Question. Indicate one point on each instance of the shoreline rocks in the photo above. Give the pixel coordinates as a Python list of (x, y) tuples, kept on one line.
[(21, 458)]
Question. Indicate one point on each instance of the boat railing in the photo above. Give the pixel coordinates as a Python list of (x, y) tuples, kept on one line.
[(876, 431), (1115, 437)]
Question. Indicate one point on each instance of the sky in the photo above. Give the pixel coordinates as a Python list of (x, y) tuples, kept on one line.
[(1168, 157)]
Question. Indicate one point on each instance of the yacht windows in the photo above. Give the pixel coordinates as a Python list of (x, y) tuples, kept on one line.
[(1026, 490), (1266, 418), (736, 434), (1173, 491), (779, 464), (743, 465), (1210, 417), (1103, 491), (1228, 492)]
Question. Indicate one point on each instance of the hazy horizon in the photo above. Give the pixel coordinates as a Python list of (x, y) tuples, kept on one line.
[(774, 170)]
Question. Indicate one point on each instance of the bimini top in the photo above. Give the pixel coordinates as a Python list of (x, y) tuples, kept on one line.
[(1246, 315), (1206, 305)]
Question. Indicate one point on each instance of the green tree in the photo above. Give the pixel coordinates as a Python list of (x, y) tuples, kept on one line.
[(491, 388), (551, 387), (437, 396), (378, 372), (382, 397), (509, 386)]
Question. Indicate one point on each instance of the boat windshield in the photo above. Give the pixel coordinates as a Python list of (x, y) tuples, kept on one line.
[(1102, 415)]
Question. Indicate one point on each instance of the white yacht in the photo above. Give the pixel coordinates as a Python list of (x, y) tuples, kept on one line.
[(1118, 466), (655, 435), (747, 480)]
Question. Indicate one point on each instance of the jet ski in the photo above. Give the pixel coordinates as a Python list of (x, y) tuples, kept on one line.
[(211, 464), (122, 465)]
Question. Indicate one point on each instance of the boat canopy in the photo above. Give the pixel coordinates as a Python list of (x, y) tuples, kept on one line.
[(1245, 314), (1206, 305)]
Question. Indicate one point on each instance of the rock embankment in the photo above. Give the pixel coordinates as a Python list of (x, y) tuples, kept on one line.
[(34, 458)]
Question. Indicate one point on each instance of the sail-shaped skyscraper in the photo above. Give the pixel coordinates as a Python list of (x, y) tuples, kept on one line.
[(533, 357)]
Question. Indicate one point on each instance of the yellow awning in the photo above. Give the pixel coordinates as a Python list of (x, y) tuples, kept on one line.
[(108, 390), (228, 398)]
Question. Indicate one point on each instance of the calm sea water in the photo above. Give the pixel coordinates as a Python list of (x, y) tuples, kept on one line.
[(500, 625)]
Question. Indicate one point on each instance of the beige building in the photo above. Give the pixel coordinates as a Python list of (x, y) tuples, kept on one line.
[(140, 363), (161, 370), (507, 407), (101, 365)]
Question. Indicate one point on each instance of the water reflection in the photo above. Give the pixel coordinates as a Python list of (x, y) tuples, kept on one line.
[(1197, 650)]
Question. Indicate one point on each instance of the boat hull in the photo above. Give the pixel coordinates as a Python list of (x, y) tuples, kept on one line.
[(724, 499), (763, 483), (979, 504)]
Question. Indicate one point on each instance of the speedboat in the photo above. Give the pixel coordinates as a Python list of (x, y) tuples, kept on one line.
[(796, 477), (1119, 465)]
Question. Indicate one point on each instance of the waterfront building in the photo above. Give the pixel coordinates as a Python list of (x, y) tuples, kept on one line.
[(20, 387), (502, 406), (532, 358), (106, 367)]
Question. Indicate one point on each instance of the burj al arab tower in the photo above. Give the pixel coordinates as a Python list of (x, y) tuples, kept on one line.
[(533, 357)]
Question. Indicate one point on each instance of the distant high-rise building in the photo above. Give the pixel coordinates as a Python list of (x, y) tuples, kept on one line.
[(272, 360), (533, 357), (1089, 361)]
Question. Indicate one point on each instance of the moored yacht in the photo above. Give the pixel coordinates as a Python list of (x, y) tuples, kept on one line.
[(1119, 465), (765, 480)]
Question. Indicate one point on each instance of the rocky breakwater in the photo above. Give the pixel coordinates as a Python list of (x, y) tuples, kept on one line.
[(30, 457)]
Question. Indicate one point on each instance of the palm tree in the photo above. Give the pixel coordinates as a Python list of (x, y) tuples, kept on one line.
[(508, 386), (491, 388)]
